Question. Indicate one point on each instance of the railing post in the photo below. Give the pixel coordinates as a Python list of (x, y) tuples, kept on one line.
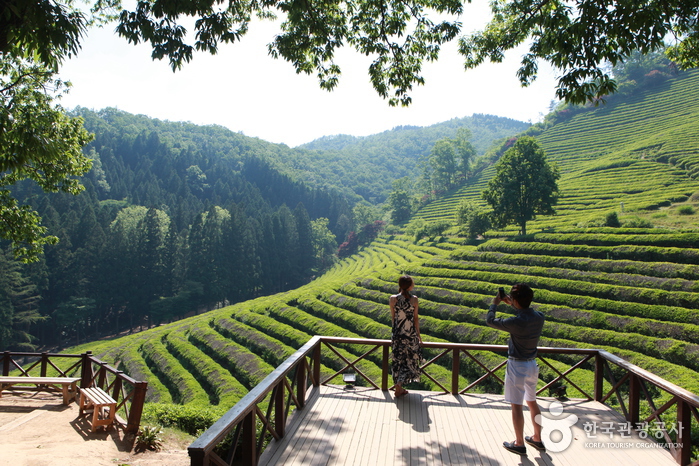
[(316, 366), (384, 369), (599, 377), (301, 383), (684, 432), (279, 410), (455, 365), (196, 457), (116, 391), (44, 364), (102, 375), (86, 370), (249, 447), (634, 399), (137, 402), (6, 363)]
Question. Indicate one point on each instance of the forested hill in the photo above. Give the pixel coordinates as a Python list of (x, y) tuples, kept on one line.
[(177, 217), (174, 218), (395, 153)]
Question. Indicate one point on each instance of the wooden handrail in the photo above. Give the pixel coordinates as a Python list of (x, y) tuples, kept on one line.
[(241, 418), (200, 449)]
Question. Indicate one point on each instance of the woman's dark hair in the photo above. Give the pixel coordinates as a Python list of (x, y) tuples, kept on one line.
[(404, 283), (522, 294)]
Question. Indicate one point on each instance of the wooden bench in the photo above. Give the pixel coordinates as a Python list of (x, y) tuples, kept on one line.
[(68, 385), (103, 406)]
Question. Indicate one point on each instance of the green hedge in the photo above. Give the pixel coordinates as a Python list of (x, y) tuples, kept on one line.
[(223, 388), (622, 252), (245, 366), (271, 350), (182, 385)]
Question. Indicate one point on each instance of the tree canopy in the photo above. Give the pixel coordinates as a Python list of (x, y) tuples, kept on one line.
[(578, 39), (524, 185)]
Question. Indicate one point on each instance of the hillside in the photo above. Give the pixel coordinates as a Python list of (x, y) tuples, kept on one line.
[(177, 217), (631, 291), (635, 156)]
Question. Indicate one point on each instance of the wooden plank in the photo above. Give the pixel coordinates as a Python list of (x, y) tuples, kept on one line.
[(368, 427)]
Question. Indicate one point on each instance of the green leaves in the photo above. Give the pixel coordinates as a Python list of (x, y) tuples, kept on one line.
[(524, 185), (580, 40), (37, 142)]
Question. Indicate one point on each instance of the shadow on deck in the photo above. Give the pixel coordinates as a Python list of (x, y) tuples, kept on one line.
[(364, 426)]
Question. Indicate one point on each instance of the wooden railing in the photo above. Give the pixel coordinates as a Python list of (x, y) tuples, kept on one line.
[(129, 394), (263, 413)]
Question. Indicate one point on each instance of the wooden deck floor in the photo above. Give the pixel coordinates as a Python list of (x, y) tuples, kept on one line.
[(369, 427)]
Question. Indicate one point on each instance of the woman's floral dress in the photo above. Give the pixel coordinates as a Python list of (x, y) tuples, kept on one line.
[(407, 352)]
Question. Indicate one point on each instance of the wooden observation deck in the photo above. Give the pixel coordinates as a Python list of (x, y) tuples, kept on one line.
[(361, 426), (618, 413)]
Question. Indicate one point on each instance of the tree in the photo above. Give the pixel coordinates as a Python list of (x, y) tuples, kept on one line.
[(578, 40), (473, 220), (524, 185), (449, 161), (324, 244), (18, 306), (37, 142)]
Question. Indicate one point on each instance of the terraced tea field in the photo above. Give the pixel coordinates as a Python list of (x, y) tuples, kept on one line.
[(634, 295), (629, 157), (631, 291)]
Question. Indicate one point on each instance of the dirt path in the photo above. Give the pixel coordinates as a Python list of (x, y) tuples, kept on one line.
[(36, 429)]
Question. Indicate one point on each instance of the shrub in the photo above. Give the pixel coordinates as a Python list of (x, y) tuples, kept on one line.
[(637, 222), (193, 418), (612, 220), (148, 438), (686, 210)]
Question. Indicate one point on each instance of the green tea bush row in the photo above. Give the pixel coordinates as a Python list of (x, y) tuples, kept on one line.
[(367, 328), (644, 281), (649, 296), (676, 240), (277, 328), (302, 320), (464, 332), (272, 351), (135, 366), (245, 366), (654, 269), (358, 323), (218, 382), (265, 324), (463, 292), (578, 317), (648, 253), (182, 385)]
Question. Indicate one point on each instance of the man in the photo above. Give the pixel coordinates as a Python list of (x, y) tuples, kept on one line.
[(522, 370)]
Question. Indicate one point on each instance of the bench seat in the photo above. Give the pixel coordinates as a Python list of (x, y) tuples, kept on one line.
[(68, 385), (103, 407)]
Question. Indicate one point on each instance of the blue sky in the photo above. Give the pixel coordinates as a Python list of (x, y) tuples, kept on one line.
[(247, 91)]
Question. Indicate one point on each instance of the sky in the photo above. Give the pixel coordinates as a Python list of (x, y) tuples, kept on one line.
[(247, 91)]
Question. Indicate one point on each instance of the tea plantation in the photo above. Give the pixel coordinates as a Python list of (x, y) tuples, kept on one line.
[(630, 290)]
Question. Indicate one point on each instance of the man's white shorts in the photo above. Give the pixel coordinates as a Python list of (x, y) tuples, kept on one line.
[(520, 381)]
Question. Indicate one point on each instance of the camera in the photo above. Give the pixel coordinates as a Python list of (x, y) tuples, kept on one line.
[(501, 293)]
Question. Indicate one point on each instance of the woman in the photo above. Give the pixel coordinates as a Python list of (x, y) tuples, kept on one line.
[(406, 340)]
